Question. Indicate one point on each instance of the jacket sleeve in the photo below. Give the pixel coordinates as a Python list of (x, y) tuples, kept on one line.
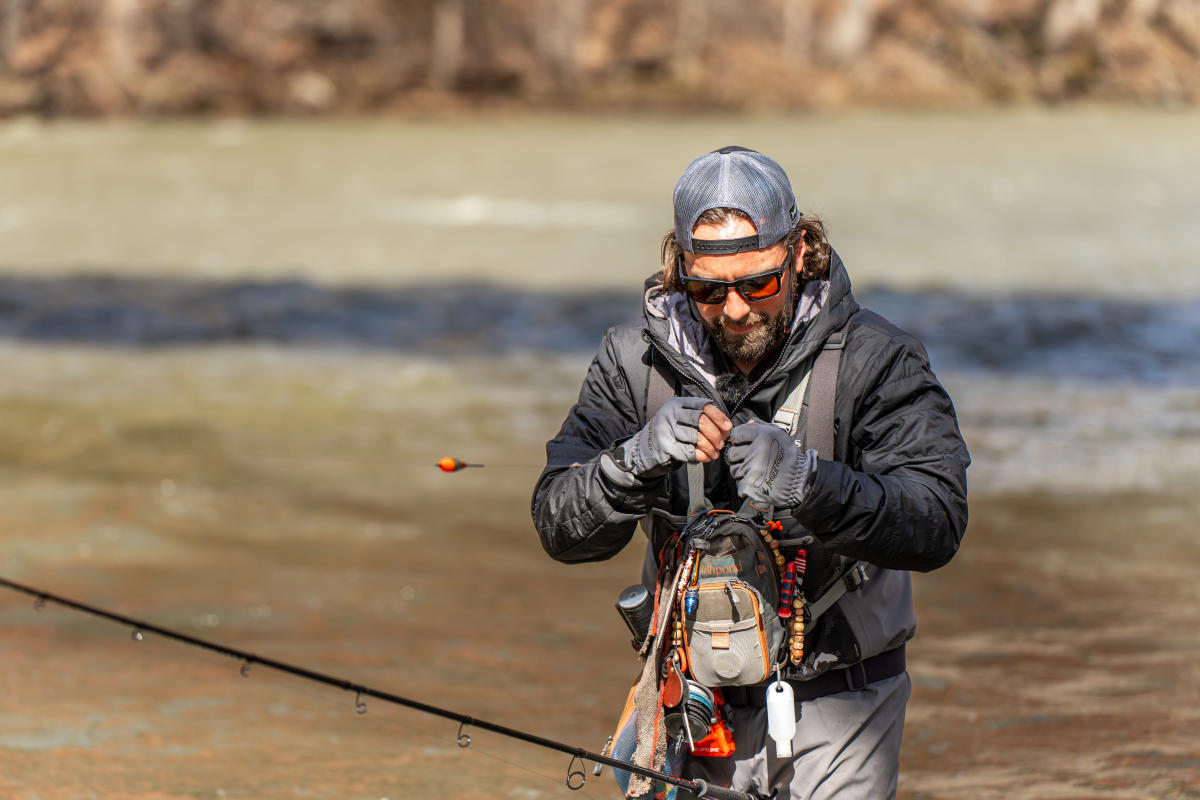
[(906, 508), (580, 513)]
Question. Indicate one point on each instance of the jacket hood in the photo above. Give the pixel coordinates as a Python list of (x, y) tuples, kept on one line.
[(823, 308)]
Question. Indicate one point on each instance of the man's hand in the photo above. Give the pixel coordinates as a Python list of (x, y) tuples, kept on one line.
[(768, 466), (685, 429)]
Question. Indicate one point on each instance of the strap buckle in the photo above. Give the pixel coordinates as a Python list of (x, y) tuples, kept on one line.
[(856, 577)]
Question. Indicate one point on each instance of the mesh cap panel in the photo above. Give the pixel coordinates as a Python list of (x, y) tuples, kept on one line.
[(735, 177)]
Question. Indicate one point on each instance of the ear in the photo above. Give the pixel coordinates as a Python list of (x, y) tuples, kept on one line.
[(801, 248)]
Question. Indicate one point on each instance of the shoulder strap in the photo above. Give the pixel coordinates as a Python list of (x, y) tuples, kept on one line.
[(787, 416), (820, 437), (658, 390), (697, 501), (822, 391), (817, 390)]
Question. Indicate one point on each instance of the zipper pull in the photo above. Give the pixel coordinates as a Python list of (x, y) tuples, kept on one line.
[(733, 605)]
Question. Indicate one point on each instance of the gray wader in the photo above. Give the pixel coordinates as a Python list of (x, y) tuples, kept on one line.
[(847, 747)]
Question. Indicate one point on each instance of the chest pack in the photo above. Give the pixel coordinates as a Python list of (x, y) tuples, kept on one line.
[(729, 604), (729, 628)]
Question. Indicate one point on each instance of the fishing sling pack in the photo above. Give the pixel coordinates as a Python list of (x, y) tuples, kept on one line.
[(728, 596), (731, 631)]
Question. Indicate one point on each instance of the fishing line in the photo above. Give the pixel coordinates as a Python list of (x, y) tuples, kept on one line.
[(323, 698), (446, 464), (576, 774), (419, 731)]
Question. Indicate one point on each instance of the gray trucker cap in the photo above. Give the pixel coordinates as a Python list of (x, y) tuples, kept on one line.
[(735, 177)]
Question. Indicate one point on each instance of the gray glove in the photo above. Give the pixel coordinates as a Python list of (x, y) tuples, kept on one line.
[(768, 466), (668, 440)]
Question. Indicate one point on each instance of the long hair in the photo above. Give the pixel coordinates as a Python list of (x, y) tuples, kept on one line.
[(816, 253)]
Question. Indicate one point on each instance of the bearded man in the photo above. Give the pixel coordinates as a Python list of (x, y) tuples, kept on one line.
[(749, 295)]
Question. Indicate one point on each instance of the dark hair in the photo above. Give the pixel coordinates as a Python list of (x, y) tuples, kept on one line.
[(816, 253)]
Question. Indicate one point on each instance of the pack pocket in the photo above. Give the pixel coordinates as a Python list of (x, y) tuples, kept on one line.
[(726, 638)]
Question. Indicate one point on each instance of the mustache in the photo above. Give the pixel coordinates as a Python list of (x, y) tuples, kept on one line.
[(751, 318)]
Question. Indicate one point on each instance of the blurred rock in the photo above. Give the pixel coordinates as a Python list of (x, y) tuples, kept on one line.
[(188, 83), (18, 95), (312, 90), (351, 56)]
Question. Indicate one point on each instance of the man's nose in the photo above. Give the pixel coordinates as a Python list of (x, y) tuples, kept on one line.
[(736, 306)]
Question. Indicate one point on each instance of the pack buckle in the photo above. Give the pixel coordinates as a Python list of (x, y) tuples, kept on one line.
[(856, 577)]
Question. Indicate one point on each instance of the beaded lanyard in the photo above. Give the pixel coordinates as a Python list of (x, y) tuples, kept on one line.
[(791, 598)]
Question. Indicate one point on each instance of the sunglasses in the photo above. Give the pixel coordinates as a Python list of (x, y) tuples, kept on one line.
[(753, 288)]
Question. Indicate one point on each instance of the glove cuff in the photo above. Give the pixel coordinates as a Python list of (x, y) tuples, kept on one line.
[(806, 474), (612, 469)]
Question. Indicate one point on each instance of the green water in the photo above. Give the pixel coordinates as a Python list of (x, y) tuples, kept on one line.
[(1077, 200)]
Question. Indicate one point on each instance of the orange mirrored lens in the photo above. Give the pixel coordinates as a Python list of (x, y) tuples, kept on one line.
[(758, 288)]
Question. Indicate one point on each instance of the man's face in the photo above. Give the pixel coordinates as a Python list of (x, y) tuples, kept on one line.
[(746, 331)]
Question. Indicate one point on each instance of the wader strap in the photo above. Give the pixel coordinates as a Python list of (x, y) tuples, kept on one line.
[(697, 502), (821, 385), (819, 431), (788, 415), (658, 390)]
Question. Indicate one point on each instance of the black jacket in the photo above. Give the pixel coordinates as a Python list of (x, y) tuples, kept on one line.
[(894, 496)]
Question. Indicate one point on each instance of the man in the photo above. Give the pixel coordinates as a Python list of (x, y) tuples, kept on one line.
[(749, 296)]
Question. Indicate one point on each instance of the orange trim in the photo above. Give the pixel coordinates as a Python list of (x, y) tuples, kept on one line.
[(762, 636)]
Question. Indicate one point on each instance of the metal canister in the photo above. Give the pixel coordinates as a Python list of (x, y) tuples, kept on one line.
[(697, 712), (636, 607)]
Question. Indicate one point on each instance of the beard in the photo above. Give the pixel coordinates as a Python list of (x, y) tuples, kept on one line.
[(768, 334)]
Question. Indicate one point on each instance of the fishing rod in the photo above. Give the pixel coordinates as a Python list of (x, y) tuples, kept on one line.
[(576, 777)]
